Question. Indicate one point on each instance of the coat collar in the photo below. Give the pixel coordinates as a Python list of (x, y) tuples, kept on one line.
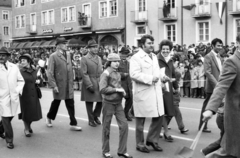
[(214, 59), (145, 56), (9, 66), (60, 54), (160, 57)]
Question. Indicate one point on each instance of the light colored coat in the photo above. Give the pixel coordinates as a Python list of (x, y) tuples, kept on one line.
[(147, 97), (11, 85), (60, 74)]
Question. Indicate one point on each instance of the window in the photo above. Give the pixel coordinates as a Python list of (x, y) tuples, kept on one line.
[(87, 9), (5, 14), (19, 3), (203, 31), (171, 32), (6, 30), (48, 17), (238, 26), (103, 7), (113, 8), (20, 21), (142, 5), (6, 44), (141, 30), (69, 14), (108, 8), (33, 1), (33, 19)]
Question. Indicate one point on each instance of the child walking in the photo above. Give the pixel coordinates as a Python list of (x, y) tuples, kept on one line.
[(112, 91)]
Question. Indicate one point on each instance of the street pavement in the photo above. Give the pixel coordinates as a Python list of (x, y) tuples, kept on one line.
[(60, 142)]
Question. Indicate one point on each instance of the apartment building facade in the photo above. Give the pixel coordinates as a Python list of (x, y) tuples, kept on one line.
[(43, 20), (183, 21), (6, 23)]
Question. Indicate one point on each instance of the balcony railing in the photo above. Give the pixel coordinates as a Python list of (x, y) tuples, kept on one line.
[(32, 29), (202, 10), (234, 7), (168, 14), (85, 22), (139, 16)]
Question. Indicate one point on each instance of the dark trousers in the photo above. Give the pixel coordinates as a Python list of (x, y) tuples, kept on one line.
[(178, 117), (93, 113), (128, 105), (108, 111), (153, 132), (70, 107), (208, 96), (6, 126), (193, 92), (186, 91), (217, 144)]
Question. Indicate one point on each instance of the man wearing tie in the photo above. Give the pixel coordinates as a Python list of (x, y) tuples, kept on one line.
[(212, 68), (11, 86), (60, 77)]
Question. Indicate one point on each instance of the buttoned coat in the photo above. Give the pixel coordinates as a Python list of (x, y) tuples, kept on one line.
[(168, 96), (229, 85), (60, 74), (212, 71), (11, 85), (91, 70), (29, 101), (147, 96)]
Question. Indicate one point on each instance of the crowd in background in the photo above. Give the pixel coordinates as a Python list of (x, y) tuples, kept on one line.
[(191, 59)]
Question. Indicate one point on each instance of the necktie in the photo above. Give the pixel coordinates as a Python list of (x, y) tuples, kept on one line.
[(5, 66), (150, 55), (65, 55)]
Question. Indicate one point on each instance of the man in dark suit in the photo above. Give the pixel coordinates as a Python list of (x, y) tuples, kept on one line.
[(212, 68), (228, 86), (91, 70)]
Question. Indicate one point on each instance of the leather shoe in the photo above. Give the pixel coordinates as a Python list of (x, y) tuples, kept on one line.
[(27, 133), (97, 121), (143, 149), (168, 138), (154, 145), (93, 124), (184, 130), (107, 155), (128, 118), (31, 131), (10, 145), (126, 155), (2, 136), (207, 130)]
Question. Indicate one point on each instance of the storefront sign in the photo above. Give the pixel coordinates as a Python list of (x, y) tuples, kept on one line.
[(68, 29), (48, 31)]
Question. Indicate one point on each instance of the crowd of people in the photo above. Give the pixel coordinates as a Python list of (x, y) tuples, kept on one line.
[(152, 83)]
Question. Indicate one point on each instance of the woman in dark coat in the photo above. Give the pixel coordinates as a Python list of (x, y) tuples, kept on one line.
[(166, 62), (29, 101)]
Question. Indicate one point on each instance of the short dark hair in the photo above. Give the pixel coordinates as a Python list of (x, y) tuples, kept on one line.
[(107, 64), (166, 43), (215, 40), (144, 38), (238, 38)]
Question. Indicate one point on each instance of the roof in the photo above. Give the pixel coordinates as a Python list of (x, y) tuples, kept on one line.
[(5, 3)]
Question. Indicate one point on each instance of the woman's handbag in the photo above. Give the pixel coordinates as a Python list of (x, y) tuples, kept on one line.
[(39, 93)]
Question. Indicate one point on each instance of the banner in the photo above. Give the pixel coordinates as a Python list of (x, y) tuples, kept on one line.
[(220, 8)]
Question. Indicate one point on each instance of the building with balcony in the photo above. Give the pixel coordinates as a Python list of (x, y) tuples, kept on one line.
[(183, 22), (43, 20), (6, 24)]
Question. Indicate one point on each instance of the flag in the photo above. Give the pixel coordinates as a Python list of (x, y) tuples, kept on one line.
[(220, 8), (189, 7)]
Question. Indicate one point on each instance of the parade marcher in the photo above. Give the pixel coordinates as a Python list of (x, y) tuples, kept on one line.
[(29, 101), (147, 94), (228, 87), (126, 80), (60, 75), (212, 67), (91, 70), (113, 92), (11, 85)]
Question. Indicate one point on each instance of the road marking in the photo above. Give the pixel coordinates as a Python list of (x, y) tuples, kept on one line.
[(180, 107), (190, 108), (130, 128)]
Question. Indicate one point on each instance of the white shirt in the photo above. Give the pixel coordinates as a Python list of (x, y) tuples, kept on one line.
[(218, 61)]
